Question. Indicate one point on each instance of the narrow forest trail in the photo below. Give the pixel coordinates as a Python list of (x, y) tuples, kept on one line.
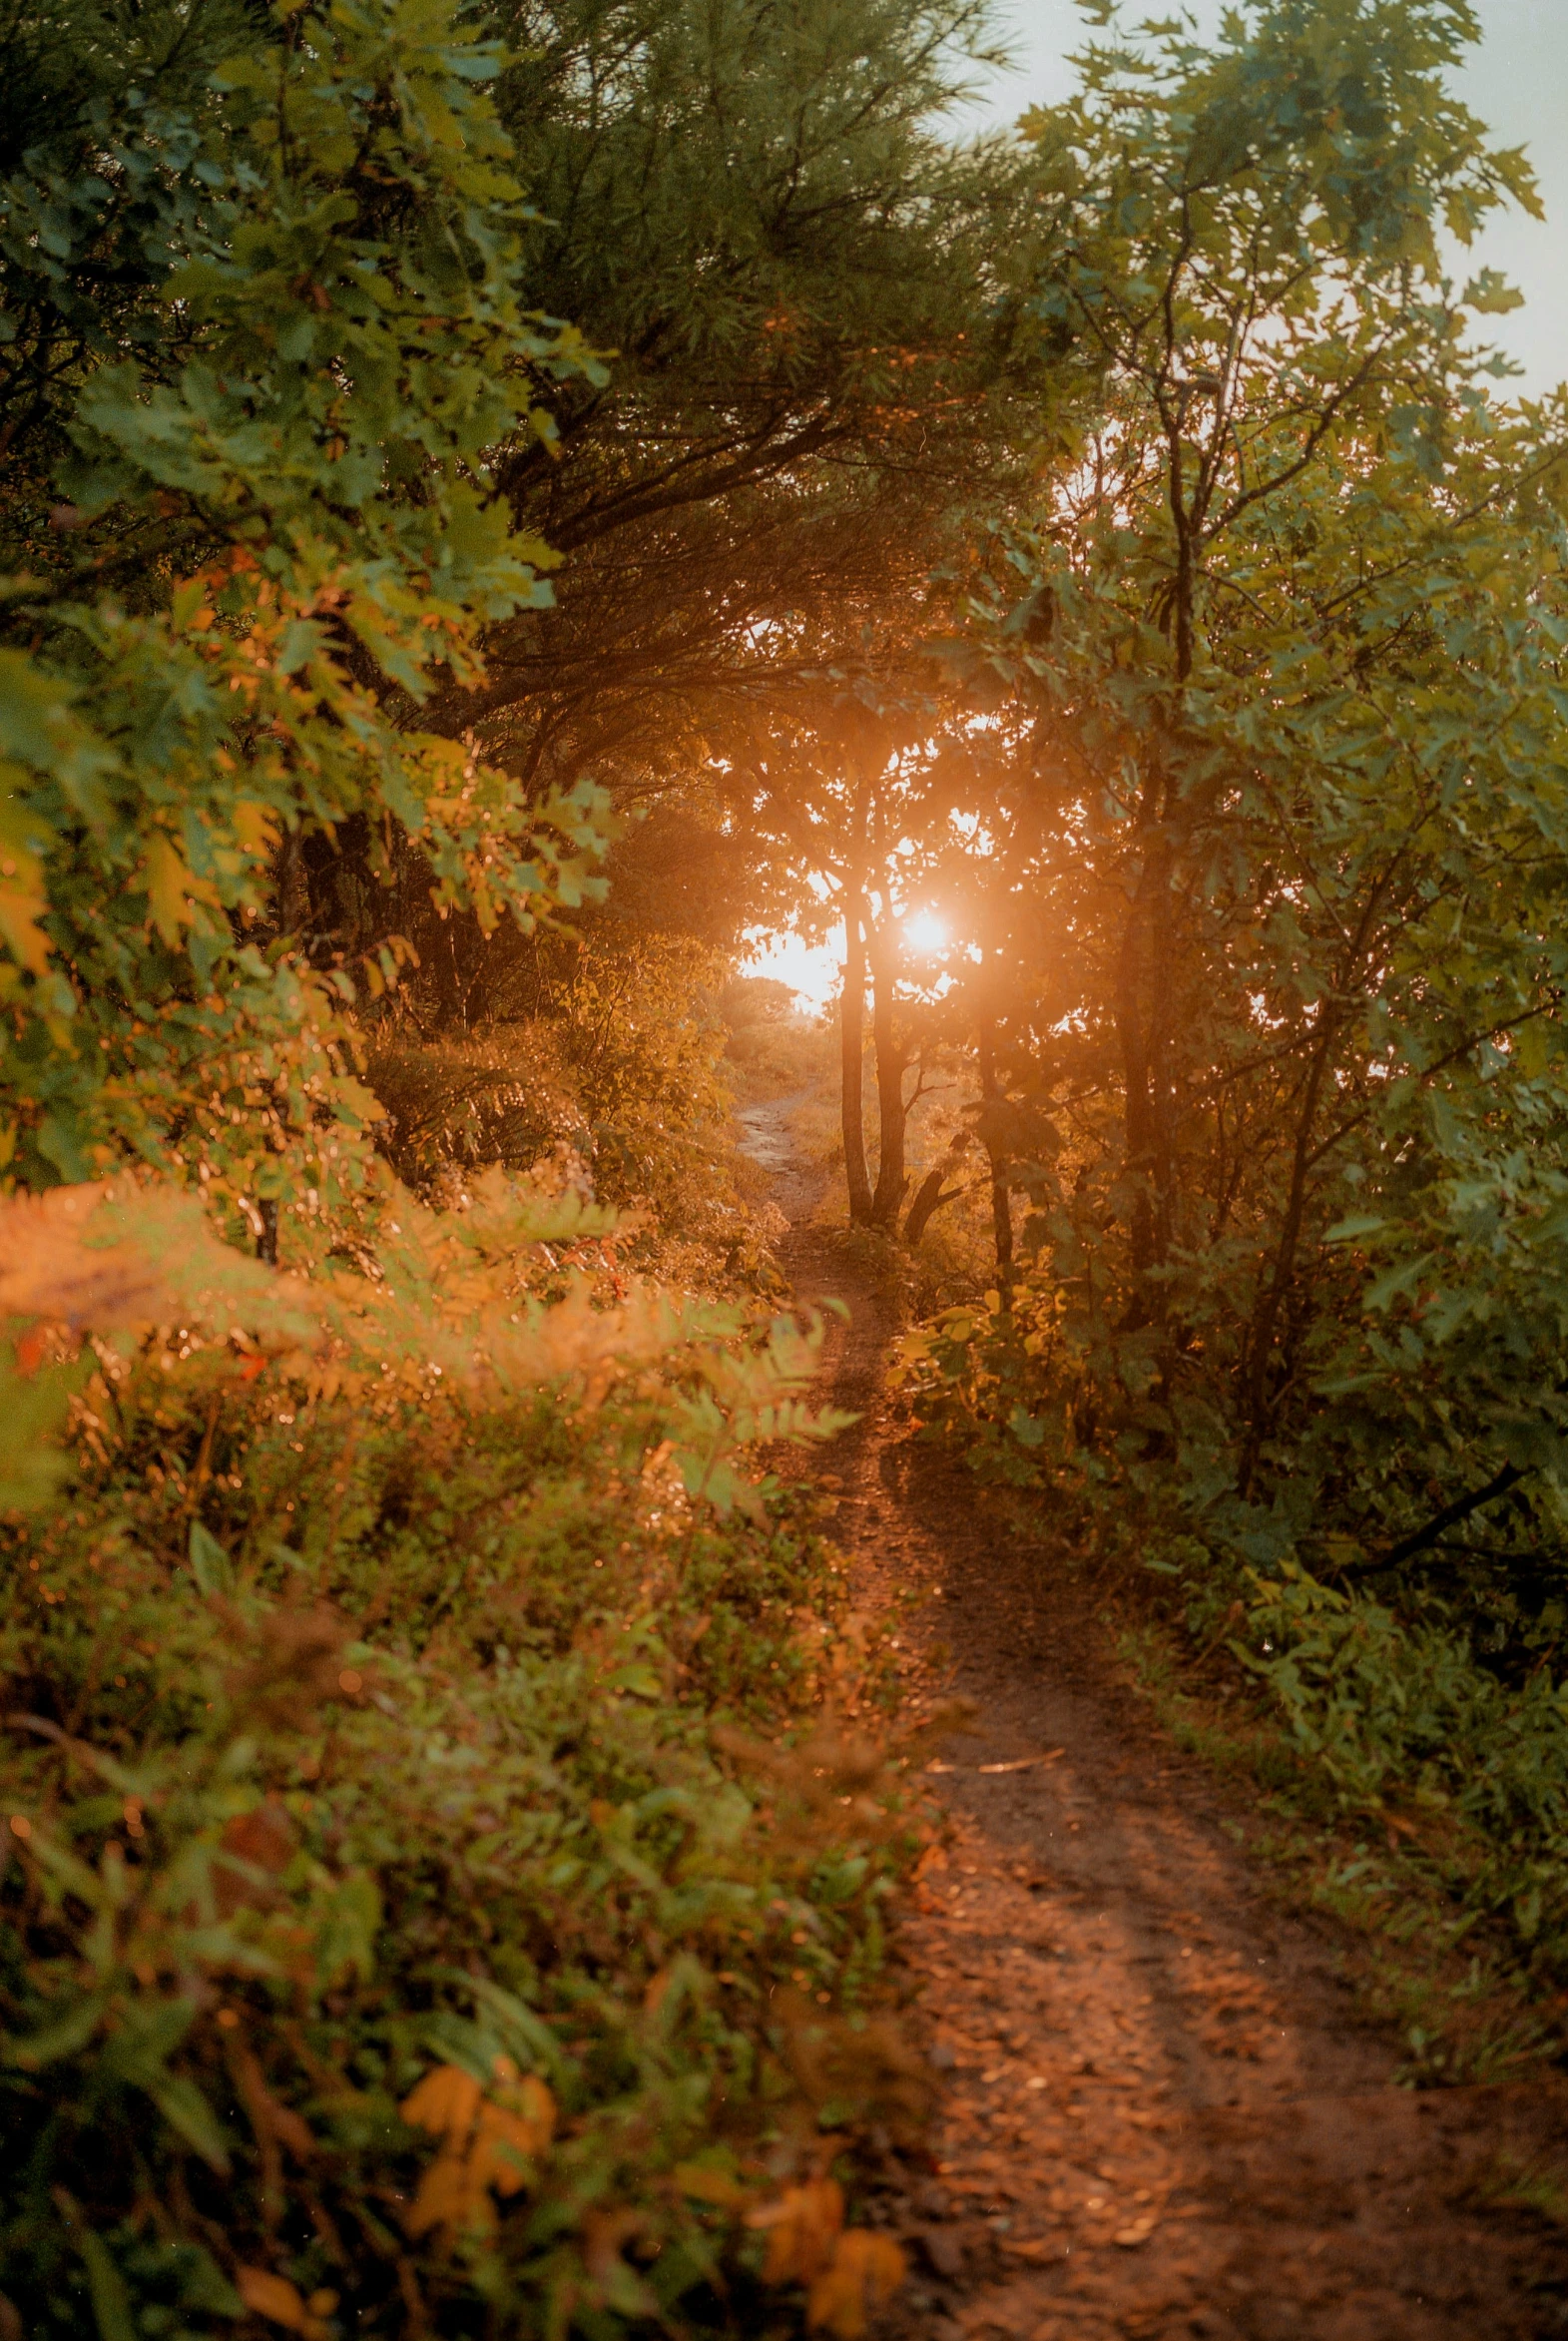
[(1161, 2115)]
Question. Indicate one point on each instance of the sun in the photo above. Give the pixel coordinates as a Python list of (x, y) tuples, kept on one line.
[(925, 931)]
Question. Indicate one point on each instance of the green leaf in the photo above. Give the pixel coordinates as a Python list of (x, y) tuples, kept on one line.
[(345, 1941), (209, 1563), (70, 2033), (1356, 1228), (1491, 295), (111, 2300), (188, 2113)]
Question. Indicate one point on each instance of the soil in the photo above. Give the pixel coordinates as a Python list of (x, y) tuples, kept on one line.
[(1161, 2113)]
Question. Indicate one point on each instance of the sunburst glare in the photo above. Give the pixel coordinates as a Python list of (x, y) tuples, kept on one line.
[(926, 931)]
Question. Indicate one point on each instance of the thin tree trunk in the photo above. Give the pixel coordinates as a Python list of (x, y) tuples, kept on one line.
[(931, 1195), (1145, 986), (1256, 1354), (852, 1058), (892, 1177), (1146, 974), (291, 889), (1282, 1267), (1001, 1205), (448, 980)]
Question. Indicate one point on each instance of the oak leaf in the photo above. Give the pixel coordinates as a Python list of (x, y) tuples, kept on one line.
[(487, 2143)]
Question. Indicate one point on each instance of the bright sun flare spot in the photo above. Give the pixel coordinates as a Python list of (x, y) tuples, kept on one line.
[(925, 931), (811, 970)]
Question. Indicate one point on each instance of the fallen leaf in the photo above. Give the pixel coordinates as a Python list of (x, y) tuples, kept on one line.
[(865, 2272), (445, 2101), (275, 2298), (802, 2227)]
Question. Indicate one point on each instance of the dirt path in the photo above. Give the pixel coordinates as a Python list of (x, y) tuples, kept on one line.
[(1161, 2116)]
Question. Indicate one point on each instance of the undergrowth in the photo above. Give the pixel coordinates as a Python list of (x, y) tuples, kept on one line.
[(1411, 1747), (1443, 1973), (448, 1825)]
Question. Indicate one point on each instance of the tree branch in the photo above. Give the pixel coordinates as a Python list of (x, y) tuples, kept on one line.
[(1449, 1517)]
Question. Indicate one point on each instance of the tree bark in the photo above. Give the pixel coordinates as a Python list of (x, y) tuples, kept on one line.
[(1146, 974), (1451, 1517), (852, 1058), (1001, 1205), (1146, 980), (892, 1177), (930, 1195), (267, 1241), (291, 887)]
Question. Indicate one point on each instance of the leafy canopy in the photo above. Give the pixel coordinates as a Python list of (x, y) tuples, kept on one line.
[(277, 534)]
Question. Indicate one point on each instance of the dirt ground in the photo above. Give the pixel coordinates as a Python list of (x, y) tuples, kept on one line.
[(1161, 2115)]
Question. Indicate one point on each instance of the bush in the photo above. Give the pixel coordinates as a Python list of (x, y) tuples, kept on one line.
[(433, 1891), (263, 530), (504, 1095)]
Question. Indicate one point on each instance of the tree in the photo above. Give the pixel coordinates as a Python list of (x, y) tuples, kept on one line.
[(841, 794), (276, 534), (805, 279), (1291, 655), (1260, 220)]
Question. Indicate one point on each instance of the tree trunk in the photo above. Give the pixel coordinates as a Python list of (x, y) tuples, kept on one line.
[(1146, 974), (292, 891), (892, 1177), (1145, 990), (931, 1195), (1001, 1206), (852, 1059)]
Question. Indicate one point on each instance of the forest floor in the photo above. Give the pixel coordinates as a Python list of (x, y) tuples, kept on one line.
[(1163, 2115)]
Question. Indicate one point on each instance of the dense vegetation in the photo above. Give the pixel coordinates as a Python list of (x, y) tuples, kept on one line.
[(1270, 902), (443, 1871), (499, 501)]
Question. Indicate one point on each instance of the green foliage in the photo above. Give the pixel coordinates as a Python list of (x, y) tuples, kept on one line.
[(278, 536), (1298, 744), (504, 1095), (381, 1726), (807, 274), (440, 1882), (637, 1022), (606, 1053), (1281, 871), (805, 151), (1399, 1712)]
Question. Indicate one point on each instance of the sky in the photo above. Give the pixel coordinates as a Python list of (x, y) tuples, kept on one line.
[(1516, 81)]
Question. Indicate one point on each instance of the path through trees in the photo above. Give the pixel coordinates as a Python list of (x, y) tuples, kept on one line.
[(1161, 2113)]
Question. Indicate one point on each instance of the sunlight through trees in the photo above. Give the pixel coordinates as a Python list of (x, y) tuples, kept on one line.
[(571, 568)]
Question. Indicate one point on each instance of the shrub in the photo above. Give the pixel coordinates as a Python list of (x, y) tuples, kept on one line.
[(432, 1890), (274, 535)]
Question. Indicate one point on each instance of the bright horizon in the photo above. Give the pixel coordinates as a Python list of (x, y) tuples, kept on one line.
[(814, 971)]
